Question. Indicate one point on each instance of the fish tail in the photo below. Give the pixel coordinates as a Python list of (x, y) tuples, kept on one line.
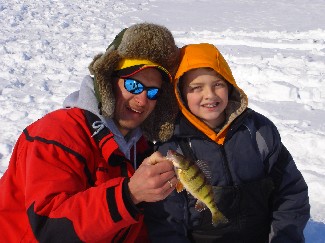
[(218, 218)]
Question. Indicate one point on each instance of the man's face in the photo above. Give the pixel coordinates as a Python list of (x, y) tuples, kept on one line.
[(132, 109)]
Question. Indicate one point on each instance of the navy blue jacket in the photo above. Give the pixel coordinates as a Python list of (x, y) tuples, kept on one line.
[(262, 193)]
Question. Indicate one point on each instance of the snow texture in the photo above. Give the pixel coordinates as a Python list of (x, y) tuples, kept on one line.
[(276, 50)]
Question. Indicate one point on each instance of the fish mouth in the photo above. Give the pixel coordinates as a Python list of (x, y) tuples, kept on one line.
[(171, 157), (170, 153)]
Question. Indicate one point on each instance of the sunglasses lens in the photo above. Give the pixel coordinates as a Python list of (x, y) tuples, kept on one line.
[(133, 86), (152, 93)]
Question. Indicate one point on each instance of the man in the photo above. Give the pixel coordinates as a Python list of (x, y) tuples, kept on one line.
[(76, 175)]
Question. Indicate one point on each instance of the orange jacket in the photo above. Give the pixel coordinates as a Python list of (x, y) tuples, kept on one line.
[(61, 186)]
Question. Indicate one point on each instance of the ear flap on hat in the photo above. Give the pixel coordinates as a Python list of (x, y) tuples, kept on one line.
[(159, 126), (102, 68)]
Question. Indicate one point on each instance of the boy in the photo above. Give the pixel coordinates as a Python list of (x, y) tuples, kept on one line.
[(256, 183)]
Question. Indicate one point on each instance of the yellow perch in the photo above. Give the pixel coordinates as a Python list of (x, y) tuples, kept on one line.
[(192, 178)]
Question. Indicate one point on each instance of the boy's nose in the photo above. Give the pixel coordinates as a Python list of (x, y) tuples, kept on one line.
[(209, 92)]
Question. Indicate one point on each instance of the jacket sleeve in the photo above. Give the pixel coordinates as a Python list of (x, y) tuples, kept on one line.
[(60, 203), (291, 209)]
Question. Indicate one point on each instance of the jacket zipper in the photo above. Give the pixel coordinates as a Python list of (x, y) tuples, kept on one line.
[(234, 126), (225, 164)]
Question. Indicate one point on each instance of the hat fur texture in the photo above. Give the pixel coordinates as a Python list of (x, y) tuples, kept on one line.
[(140, 41)]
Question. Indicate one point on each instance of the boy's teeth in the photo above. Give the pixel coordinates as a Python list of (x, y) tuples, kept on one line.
[(211, 105)]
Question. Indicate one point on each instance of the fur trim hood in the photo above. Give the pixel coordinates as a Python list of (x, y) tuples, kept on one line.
[(145, 41), (206, 55)]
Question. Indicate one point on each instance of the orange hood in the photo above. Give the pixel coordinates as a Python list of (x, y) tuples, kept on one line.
[(207, 55)]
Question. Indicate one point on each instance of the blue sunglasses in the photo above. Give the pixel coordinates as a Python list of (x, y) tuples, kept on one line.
[(136, 87)]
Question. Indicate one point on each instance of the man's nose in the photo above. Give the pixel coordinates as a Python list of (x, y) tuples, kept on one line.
[(141, 98)]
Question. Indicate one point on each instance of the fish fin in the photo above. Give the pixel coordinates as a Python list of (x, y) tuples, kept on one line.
[(217, 192), (205, 168), (179, 186), (218, 218), (200, 206)]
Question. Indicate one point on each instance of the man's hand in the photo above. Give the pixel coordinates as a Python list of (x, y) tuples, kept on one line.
[(154, 180)]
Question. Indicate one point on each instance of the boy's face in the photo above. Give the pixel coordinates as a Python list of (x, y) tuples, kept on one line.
[(206, 95), (132, 109)]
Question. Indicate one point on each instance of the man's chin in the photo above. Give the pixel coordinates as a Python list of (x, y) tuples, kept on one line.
[(126, 127)]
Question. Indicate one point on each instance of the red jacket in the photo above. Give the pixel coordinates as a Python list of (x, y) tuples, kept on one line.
[(61, 186)]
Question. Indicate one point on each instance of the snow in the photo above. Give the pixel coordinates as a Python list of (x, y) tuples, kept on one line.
[(276, 50)]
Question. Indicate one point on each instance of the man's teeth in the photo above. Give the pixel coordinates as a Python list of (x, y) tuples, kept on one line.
[(136, 111)]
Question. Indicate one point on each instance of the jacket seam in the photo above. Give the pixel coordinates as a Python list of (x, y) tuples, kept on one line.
[(79, 157)]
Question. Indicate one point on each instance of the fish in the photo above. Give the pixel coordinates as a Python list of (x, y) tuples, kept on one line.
[(192, 178)]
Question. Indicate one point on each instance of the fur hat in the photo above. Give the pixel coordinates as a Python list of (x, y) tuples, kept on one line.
[(155, 45)]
